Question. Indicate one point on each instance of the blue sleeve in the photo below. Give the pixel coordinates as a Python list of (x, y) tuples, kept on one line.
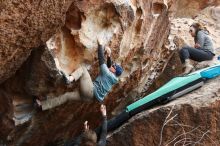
[(200, 38), (104, 69)]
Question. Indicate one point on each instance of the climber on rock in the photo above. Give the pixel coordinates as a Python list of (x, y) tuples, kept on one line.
[(108, 76), (202, 51)]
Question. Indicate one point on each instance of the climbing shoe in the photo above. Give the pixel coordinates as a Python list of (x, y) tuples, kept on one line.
[(65, 78), (188, 67)]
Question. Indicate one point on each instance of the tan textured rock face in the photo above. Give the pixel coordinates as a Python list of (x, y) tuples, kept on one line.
[(133, 29), (25, 25), (186, 8), (137, 32), (189, 120)]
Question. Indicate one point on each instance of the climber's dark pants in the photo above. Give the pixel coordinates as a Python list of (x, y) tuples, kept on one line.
[(195, 54)]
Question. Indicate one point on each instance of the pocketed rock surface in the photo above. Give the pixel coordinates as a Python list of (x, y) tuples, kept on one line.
[(192, 119), (40, 38)]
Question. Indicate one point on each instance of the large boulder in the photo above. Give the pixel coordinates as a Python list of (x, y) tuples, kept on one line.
[(140, 34), (136, 33), (189, 120), (26, 25)]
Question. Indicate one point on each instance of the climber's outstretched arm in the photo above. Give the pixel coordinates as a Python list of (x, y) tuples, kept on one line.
[(109, 62), (101, 56), (103, 67)]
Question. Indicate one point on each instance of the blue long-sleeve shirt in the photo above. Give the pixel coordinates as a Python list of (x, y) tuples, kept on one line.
[(105, 80)]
